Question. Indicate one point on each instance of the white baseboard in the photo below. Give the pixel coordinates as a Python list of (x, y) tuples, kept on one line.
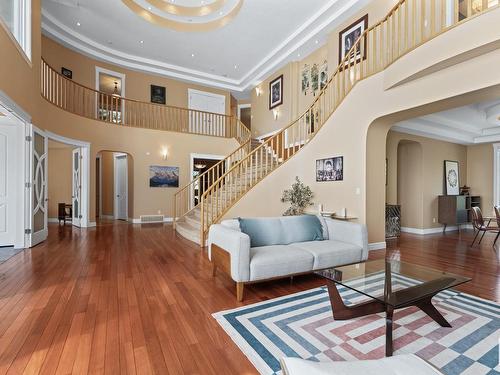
[(426, 231), (138, 221), (376, 246), (53, 220)]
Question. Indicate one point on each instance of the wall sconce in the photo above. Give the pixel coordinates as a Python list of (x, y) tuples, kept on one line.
[(164, 153), (258, 91), (276, 114)]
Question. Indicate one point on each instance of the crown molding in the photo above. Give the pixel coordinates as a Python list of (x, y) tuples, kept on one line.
[(326, 18)]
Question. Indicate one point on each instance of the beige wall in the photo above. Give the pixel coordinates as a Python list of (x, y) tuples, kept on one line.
[(294, 102), (421, 212), (137, 84), (60, 178), (480, 174), (358, 127), (107, 183)]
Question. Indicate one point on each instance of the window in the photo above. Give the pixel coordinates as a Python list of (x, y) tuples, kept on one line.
[(16, 17)]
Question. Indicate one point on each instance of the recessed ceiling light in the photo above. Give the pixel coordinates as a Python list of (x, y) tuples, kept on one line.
[(192, 55), (298, 54), (221, 13), (149, 8), (202, 3), (142, 41), (316, 41), (78, 24), (236, 67)]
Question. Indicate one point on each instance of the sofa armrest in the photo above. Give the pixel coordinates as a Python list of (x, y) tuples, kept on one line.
[(349, 232), (237, 244)]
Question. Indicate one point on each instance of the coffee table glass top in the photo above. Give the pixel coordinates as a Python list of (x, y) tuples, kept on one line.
[(393, 282)]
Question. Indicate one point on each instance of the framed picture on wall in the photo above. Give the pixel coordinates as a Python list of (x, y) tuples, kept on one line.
[(162, 176), (349, 36), (158, 94), (330, 169), (276, 92), (451, 177), (67, 73)]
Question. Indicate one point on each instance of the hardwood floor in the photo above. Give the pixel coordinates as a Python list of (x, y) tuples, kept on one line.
[(122, 299)]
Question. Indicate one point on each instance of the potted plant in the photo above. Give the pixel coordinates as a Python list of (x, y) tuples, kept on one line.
[(300, 196)]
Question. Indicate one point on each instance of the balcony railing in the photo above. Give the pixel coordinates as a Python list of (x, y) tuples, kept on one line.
[(113, 109)]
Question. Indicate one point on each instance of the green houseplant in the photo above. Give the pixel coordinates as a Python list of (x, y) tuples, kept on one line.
[(300, 196)]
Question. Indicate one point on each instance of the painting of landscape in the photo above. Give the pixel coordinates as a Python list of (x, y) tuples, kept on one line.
[(161, 176)]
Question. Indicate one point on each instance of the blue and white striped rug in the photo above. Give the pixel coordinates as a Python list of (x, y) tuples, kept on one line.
[(301, 325)]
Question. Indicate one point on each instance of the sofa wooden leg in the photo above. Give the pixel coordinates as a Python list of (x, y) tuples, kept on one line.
[(239, 291)]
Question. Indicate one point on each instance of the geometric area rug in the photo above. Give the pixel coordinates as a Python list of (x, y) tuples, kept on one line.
[(301, 325)]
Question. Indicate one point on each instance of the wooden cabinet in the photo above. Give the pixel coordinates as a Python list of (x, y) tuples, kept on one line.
[(456, 209)]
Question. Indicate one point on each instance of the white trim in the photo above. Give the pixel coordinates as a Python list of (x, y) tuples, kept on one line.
[(314, 28), (99, 160), (193, 156), (13, 108), (117, 155), (165, 220), (496, 174), (85, 198), (426, 231), (53, 220), (377, 246), (121, 76), (240, 107)]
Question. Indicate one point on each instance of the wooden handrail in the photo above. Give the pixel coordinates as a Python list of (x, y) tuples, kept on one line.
[(90, 103), (409, 24)]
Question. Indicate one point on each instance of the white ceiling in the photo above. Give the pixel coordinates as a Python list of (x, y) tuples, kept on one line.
[(476, 123), (263, 36)]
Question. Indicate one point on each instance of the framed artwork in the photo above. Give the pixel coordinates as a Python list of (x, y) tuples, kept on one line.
[(349, 36), (161, 176), (276, 92), (67, 73), (314, 79), (330, 169), (158, 94), (452, 177), (305, 76)]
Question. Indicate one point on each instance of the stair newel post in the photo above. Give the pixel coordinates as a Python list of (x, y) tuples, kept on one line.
[(174, 219), (202, 223)]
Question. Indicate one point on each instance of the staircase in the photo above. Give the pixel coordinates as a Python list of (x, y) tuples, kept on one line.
[(189, 225), (409, 24)]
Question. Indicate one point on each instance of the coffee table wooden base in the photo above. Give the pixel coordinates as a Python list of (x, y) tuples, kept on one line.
[(343, 312)]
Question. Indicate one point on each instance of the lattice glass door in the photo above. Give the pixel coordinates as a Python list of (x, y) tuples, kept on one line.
[(76, 195), (38, 186)]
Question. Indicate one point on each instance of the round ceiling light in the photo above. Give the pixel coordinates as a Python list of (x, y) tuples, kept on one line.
[(175, 16)]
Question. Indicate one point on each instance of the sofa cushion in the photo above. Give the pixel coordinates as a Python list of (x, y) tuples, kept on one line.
[(278, 260), (301, 229), (268, 231), (330, 253), (264, 231)]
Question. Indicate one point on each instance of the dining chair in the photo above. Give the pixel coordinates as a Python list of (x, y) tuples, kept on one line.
[(480, 226)]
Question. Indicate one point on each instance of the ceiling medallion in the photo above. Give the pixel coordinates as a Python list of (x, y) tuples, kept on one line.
[(180, 10), (187, 25)]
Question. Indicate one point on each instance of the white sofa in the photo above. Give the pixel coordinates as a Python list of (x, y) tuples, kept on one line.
[(398, 365), (230, 250)]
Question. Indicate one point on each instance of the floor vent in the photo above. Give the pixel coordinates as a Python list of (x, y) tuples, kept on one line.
[(146, 219)]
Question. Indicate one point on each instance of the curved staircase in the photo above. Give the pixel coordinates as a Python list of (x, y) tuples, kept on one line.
[(409, 24)]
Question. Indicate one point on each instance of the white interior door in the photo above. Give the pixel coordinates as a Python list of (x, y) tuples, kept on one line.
[(121, 187), (76, 195), (207, 123), (8, 175), (38, 186)]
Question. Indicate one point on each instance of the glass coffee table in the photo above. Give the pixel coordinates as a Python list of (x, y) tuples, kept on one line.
[(397, 292)]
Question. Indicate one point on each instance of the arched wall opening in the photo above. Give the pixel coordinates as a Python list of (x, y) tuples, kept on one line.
[(378, 134)]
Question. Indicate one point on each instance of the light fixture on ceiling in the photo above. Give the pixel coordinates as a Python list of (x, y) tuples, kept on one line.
[(298, 54), (236, 67), (192, 55), (316, 41), (141, 41), (78, 24), (115, 90), (200, 166)]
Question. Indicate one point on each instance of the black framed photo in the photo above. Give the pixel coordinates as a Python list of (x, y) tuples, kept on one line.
[(349, 36), (276, 92), (163, 176), (452, 177), (67, 73), (330, 169), (158, 94)]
